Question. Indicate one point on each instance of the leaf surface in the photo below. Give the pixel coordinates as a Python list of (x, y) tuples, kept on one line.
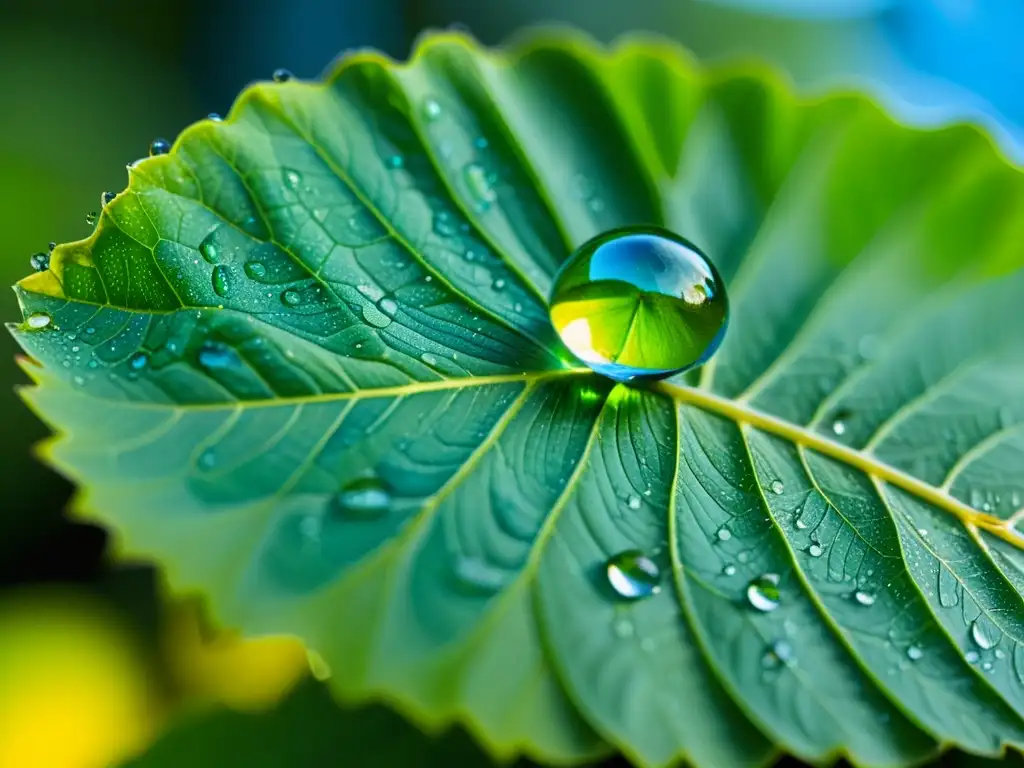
[(305, 363)]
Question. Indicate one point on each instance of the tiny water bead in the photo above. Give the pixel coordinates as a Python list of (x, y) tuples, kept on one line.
[(159, 147), (281, 75), (763, 592), (91, 218), (107, 198), (639, 303), (633, 575)]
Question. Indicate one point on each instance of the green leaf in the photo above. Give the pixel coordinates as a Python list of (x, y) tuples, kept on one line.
[(305, 363)]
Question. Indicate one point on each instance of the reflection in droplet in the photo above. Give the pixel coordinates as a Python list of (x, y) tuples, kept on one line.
[(633, 575), (763, 592)]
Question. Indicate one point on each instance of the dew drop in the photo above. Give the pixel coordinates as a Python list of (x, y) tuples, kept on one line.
[(498, 284), (256, 270), (914, 652), (292, 178), (395, 162), (291, 298), (840, 420), (215, 355), (656, 276), (138, 361), (431, 110), (388, 307), (159, 147), (723, 534), (209, 249), (38, 321), (428, 358), (51, 245), (633, 502), (479, 575), (633, 575), (864, 598), (215, 117), (763, 592), (221, 280), (479, 186), (40, 262), (814, 550), (778, 488), (729, 570), (984, 634), (363, 498), (971, 657), (207, 459), (281, 75), (106, 199)]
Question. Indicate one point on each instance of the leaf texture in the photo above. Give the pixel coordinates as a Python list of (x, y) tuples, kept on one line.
[(346, 282)]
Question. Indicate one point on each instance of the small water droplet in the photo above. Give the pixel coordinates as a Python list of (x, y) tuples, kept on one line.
[(292, 178), (40, 262), (215, 117), (396, 161), (814, 550), (363, 498), (623, 628), (106, 199), (214, 355), (840, 421), (207, 459), (914, 652), (498, 284), (388, 307), (373, 316), (729, 570), (209, 249), (479, 186), (779, 652), (159, 147), (864, 598), (221, 280), (256, 270), (972, 657), (723, 533), (91, 217), (633, 575), (291, 298), (138, 361), (51, 245), (778, 488), (281, 75), (763, 592), (431, 110), (37, 321), (444, 225), (633, 502), (428, 358), (480, 142), (984, 633)]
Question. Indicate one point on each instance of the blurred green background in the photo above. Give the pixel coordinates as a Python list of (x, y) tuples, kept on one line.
[(89, 85)]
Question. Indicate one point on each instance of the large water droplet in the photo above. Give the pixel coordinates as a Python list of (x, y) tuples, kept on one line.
[(291, 298), (763, 592), (221, 280), (40, 262), (256, 270), (159, 147), (984, 633), (209, 249), (214, 354), (363, 498), (37, 321), (633, 575), (864, 598), (639, 303)]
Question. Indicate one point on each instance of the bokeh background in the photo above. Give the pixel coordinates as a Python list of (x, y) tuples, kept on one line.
[(93, 648)]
